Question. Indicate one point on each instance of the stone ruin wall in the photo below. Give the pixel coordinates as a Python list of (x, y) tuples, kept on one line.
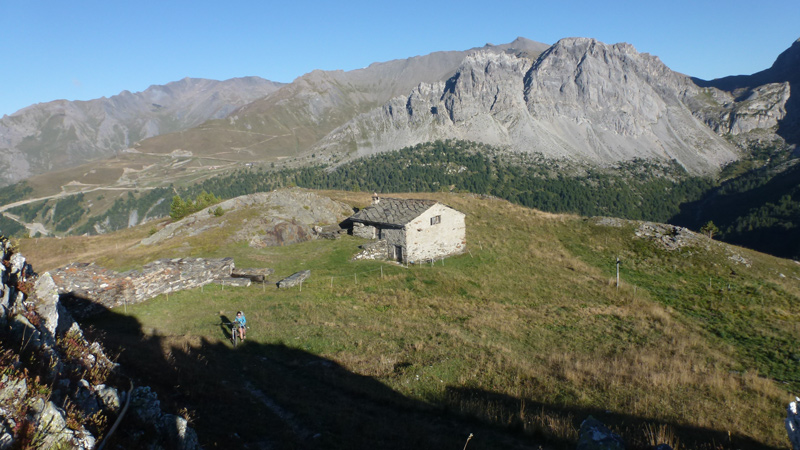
[(88, 288)]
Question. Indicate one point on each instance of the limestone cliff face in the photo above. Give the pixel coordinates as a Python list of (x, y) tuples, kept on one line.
[(581, 100), (59, 134), (760, 108), (295, 118), (762, 102)]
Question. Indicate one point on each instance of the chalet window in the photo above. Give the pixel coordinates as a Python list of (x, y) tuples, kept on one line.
[(436, 219)]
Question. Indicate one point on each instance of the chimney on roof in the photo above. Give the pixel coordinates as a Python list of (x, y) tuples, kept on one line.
[(375, 198)]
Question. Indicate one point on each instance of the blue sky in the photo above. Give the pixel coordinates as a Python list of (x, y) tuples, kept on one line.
[(80, 50)]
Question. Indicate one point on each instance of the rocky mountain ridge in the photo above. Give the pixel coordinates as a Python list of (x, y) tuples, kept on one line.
[(578, 99), (293, 119), (61, 133), (581, 100), (773, 86)]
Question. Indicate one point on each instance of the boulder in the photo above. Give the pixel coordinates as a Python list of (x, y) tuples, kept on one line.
[(280, 232), (55, 317), (13, 389), (52, 426), (793, 423), (294, 279), (86, 398), (174, 429), (178, 433), (329, 231), (6, 438), (109, 396), (593, 435), (145, 406), (254, 275)]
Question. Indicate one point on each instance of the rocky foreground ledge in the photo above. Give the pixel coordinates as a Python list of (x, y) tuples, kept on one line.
[(57, 388)]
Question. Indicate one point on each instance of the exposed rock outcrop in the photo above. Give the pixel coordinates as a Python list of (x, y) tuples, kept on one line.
[(285, 216), (742, 111), (670, 237), (57, 388)]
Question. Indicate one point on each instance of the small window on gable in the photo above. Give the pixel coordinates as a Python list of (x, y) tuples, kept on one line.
[(436, 219)]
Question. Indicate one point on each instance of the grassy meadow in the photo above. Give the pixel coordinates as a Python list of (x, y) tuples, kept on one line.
[(516, 341)]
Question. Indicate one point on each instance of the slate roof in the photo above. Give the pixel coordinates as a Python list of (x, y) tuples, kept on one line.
[(392, 211)]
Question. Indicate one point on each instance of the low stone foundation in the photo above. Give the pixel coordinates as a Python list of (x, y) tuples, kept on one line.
[(87, 289), (377, 250), (295, 279)]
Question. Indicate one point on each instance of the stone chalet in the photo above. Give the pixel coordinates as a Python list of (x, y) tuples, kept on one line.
[(413, 230)]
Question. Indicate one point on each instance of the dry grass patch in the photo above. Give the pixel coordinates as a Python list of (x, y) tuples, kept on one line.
[(525, 331)]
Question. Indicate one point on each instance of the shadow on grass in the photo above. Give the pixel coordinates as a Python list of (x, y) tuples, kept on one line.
[(277, 397), (225, 326)]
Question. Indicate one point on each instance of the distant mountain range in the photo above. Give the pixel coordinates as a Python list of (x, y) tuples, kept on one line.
[(580, 100), (580, 107), (54, 135)]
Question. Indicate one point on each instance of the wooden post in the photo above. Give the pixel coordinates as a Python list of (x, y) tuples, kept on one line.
[(355, 278), (381, 272)]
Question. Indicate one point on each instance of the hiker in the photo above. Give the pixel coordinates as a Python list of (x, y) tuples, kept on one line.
[(241, 322)]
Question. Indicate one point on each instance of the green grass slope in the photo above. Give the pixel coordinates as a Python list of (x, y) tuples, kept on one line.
[(516, 341)]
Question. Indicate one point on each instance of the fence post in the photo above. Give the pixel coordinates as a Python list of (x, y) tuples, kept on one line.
[(381, 272)]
